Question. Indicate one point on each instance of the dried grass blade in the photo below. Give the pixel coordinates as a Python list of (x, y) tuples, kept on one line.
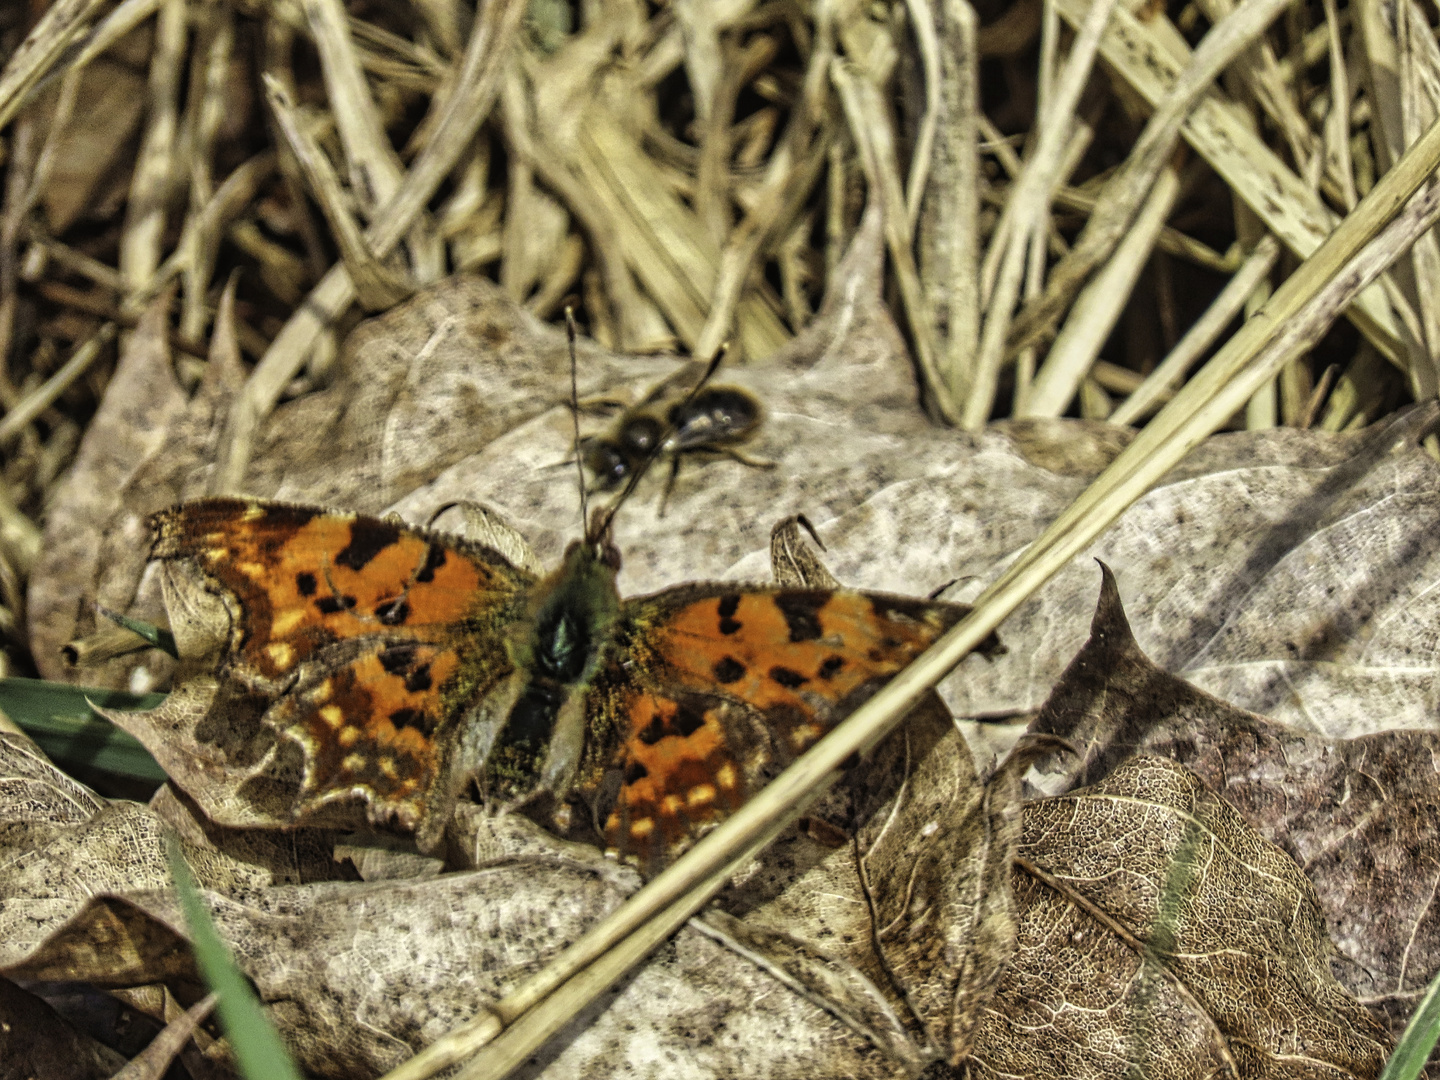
[(57, 29), (1144, 54), (871, 130), (157, 168), (949, 229), (1098, 307), (1125, 193), (1202, 333), (377, 287), (1029, 200), (154, 1061), (375, 170), (46, 394), (213, 64), (923, 22), (641, 326), (461, 116), (203, 230)]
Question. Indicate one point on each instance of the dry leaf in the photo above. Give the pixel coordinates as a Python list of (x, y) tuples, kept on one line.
[(1241, 980), (37, 1044), (1357, 815)]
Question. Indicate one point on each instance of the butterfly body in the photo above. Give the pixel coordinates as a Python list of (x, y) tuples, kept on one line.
[(404, 663)]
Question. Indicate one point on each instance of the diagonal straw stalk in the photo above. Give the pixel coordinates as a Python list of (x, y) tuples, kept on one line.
[(1291, 320)]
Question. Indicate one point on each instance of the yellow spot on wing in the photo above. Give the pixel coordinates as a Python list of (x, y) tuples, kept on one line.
[(671, 805), (333, 715), (281, 653), (353, 762), (725, 777), (701, 794), (286, 621), (348, 735), (642, 828), (804, 735)]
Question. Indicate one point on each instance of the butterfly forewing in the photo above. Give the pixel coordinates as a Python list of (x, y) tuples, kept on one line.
[(725, 687), (373, 637), (305, 578)]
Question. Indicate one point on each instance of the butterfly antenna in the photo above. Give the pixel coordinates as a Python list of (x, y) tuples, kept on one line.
[(575, 416), (603, 527)]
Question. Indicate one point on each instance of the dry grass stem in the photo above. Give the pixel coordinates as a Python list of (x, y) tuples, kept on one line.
[(1028, 202), (1078, 202), (1099, 304), (461, 115), (870, 129), (1282, 200), (42, 397), (61, 25), (158, 166), (377, 287), (1123, 196), (1202, 333), (949, 225)]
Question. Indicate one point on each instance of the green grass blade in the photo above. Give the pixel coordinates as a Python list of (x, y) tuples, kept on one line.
[(258, 1050), (59, 718), (1418, 1039), (156, 635)]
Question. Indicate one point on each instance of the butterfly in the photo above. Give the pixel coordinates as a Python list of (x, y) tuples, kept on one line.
[(679, 416), (406, 663)]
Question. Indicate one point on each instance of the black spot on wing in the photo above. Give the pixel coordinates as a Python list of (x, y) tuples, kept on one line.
[(686, 721), (333, 605), (368, 537), (397, 659), (728, 670), (393, 612), (305, 583), (434, 559), (400, 660), (291, 517), (802, 613), (729, 605), (652, 732), (635, 772), (831, 666), (787, 677), (414, 718)]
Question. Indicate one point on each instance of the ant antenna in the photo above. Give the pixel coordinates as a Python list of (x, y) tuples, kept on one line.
[(603, 524), (575, 415)]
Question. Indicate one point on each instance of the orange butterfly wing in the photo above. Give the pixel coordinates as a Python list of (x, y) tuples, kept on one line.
[(715, 689), (373, 637)]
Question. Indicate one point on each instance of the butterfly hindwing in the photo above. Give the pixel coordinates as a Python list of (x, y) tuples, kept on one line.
[(722, 687), (372, 637)]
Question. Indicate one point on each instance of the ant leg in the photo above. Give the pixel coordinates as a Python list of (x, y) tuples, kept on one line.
[(746, 459), (669, 483)]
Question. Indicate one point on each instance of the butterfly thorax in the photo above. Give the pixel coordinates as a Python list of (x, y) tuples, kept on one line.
[(557, 648)]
